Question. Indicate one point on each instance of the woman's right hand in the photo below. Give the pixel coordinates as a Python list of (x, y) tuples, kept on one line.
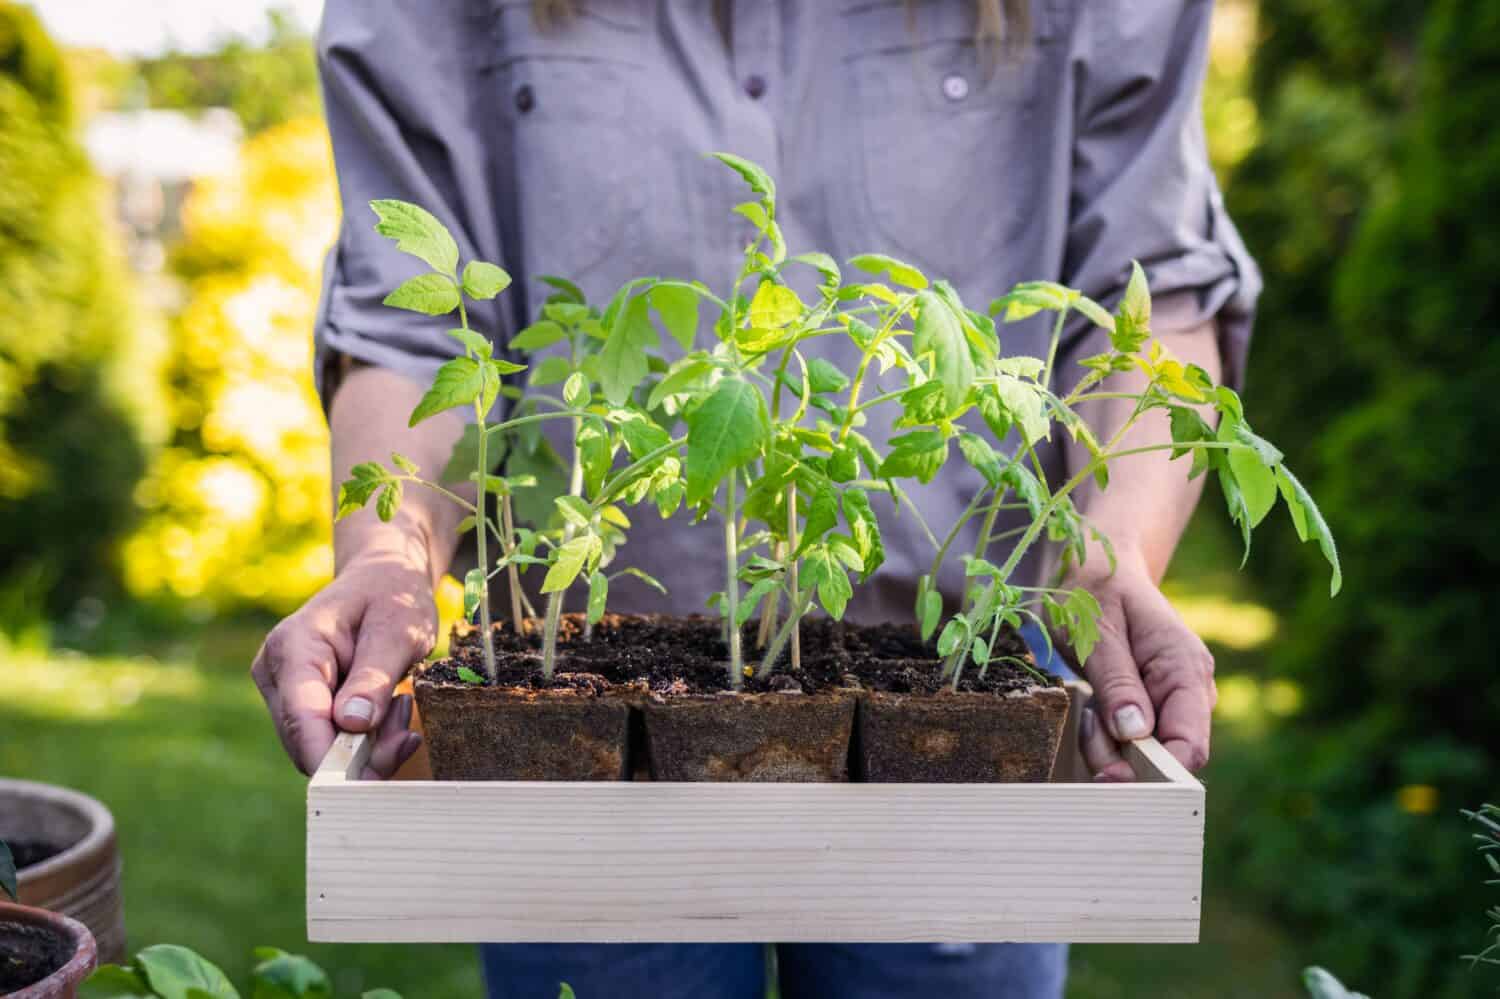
[(333, 664)]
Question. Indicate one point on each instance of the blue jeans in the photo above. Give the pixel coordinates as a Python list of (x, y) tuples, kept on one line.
[(804, 971)]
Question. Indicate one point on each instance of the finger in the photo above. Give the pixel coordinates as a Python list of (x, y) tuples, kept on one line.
[(391, 741), (1178, 672), (1100, 752), (1121, 699), (391, 638), (305, 691), (1184, 725)]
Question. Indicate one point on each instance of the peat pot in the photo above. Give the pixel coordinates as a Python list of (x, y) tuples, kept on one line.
[(67, 857), (779, 736), (43, 955)]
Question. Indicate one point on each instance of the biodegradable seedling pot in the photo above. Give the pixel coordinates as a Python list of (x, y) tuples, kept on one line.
[(962, 737), (777, 736), (519, 733), (43, 955)]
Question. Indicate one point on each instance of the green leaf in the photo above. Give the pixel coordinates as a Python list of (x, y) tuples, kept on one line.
[(388, 502), (823, 569), (755, 212), (644, 577), (567, 291), (622, 363), (457, 383), (824, 376), (825, 266), (898, 271), (469, 676), (576, 390), (8, 879), (598, 595), (1308, 520), (1322, 985), (176, 973), (543, 333), (937, 331), (751, 600), (727, 431), (484, 280), (774, 306), (111, 981), (568, 563), (929, 609), (404, 463), (1030, 297), (429, 294), (1255, 477), (1025, 404), (550, 371), (280, 975), (475, 585), (760, 182), (1081, 612), (953, 635), (682, 378), (474, 342), (977, 451), (1136, 304), (565, 991), (865, 529), (464, 458), (919, 458), (1096, 313), (822, 517), (642, 436), (417, 232), (574, 510), (678, 308)]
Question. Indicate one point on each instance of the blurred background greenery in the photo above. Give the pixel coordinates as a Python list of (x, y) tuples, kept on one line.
[(163, 493)]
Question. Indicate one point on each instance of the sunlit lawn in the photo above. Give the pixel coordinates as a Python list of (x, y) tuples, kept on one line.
[(211, 821)]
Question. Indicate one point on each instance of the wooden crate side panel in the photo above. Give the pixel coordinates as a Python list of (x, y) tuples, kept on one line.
[(703, 862)]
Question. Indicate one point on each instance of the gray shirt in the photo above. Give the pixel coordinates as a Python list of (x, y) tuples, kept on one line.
[(576, 151)]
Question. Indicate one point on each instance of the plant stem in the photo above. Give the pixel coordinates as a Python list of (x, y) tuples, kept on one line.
[(513, 574), (732, 586), (1057, 328), (791, 546), (481, 517), (800, 603), (773, 605), (555, 598)]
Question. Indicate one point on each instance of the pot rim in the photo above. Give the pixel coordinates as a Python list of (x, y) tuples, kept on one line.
[(101, 824), (85, 950)]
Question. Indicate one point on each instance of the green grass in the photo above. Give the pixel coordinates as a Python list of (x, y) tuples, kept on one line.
[(211, 820)]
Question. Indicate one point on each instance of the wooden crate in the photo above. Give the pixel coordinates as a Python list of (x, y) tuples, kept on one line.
[(1070, 860)]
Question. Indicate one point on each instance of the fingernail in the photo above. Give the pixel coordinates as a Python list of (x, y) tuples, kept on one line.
[(1104, 778), (1086, 725), (358, 709), (1130, 723)]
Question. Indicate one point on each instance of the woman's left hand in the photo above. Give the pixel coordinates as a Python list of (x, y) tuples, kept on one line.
[(1150, 673)]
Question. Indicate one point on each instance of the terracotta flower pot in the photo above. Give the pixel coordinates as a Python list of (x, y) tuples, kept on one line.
[(960, 737), (82, 878), (517, 733), (750, 737), (43, 955)]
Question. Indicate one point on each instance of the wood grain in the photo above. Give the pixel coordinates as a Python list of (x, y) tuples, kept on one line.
[(432, 861)]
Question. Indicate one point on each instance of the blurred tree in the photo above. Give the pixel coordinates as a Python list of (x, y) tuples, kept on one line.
[(1376, 367), (69, 452), (238, 506), (265, 84)]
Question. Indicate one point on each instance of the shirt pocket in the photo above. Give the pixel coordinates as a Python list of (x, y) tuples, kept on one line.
[(566, 91), (939, 131)]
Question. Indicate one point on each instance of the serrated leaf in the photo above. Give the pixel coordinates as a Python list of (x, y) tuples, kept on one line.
[(568, 562), (175, 972), (760, 182), (642, 436), (919, 459), (937, 331), (622, 362), (475, 342), (1094, 312), (574, 510), (824, 264), (1255, 478), (598, 595), (1030, 297), (678, 308), (822, 569), (897, 271), (1136, 303), (388, 502), (774, 306), (1081, 612), (280, 975), (824, 376), (822, 517), (865, 530), (457, 383), (417, 232), (977, 451), (543, 333), (484, 280), (1308, 520), (682, 378), (429, 294), (550, 371), (727, 431)]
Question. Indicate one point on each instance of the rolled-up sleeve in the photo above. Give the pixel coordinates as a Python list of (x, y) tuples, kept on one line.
[(399, 95), (1142, 187)]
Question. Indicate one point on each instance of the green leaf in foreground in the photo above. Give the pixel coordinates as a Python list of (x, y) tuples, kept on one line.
[(111, 981), (598, 596), (822, 568), (474, 584), (1308, 520), (727, 431), (568, 563), (177, 973), (760, 182), (937, 331), (280, 975), (457, 383), (429, 294), (678, 308), (417, 232), (622, 362), (484, 280), (898, 271)]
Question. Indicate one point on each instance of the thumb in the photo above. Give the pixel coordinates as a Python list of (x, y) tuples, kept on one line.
[(390, 640), (1124, 706)]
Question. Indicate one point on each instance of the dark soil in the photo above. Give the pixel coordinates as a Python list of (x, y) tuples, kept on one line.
[(28, 852), (687, 655), (28, 954)]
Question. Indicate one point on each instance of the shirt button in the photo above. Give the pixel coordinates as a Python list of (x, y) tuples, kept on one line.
[(955, 87), (755, 86), (525, 98)]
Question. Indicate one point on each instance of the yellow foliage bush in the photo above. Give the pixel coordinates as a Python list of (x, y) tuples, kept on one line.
[(238, 507)]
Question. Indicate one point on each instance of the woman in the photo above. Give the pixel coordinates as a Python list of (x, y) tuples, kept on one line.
[(986, 141)]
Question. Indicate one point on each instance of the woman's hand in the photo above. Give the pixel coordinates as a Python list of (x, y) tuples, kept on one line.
[(1149, 672), (333, 664)]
